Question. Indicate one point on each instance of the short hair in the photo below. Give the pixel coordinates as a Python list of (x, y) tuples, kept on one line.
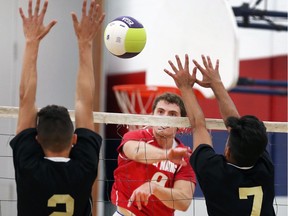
[(54, 128), (170, 98), (247, 140)]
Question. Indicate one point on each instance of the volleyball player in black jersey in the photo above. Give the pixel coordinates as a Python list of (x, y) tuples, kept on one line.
[(240, 182), (55, 166)]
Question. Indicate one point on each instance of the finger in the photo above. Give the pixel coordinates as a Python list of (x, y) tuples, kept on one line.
[(186, 62), (51, 24), (37, 7), (96, 11), (179, 62), (138, 202), (173, 66), (198, 65), (44, 9), (84, 5), (183, 162), (131, 200), (47, 29), (209, 62), (169, 73), (75, 20), (194, 72), (217, 65), (22, 14), (91, 12), (204, 61), (30, 9), (100, 20)]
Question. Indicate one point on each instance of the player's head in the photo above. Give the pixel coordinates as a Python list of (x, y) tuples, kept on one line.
[(170, 98), (247, 140), (54, 128), (167, 104)]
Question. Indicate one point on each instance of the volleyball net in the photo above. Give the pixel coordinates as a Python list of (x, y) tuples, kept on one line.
[(120, 123)]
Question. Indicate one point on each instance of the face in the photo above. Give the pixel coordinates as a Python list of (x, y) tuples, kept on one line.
[(164, 108)]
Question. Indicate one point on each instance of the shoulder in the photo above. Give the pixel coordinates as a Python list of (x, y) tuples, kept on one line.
[(27, 135), (205, 156), (141, 134), (84, 133)]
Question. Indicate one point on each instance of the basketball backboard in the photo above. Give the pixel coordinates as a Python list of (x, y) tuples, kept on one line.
[(179, 27)]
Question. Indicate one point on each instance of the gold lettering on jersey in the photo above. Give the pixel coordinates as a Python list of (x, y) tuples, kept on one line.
[(166, 166), (257, 192), (62, 199)]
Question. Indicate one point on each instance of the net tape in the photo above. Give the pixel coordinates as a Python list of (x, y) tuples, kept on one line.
[(140, 119)]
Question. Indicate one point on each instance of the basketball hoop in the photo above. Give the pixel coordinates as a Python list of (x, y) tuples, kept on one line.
[(138, 98)]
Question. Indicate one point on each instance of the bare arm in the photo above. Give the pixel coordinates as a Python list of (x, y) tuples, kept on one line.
[(185, 82), (211, 79), (179, 197), (34, 31), (86, 31), (143, 152)]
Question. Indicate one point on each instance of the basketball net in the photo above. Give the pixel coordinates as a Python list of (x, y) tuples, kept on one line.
[(139, 98)]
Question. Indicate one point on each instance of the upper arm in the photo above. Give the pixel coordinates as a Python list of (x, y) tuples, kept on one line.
[(26, 116), (83, 115), (201, 136), (130, 148)]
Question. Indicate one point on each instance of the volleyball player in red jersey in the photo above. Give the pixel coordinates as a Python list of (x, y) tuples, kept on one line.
[(154, 176)]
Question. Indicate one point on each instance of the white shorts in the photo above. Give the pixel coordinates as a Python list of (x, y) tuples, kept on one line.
[(117, 214)]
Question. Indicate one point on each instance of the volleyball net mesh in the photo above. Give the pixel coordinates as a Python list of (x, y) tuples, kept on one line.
[(120, 123)]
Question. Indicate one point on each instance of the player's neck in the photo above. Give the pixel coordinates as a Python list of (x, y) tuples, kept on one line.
[(165, 143), (64, 153)]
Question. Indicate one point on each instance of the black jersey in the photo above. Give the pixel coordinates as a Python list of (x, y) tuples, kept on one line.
[(44, 186), (234, 191)]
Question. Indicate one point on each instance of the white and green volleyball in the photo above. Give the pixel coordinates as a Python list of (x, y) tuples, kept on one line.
[(125, 37)]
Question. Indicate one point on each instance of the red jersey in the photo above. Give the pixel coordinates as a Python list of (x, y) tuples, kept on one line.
[(129, 175)]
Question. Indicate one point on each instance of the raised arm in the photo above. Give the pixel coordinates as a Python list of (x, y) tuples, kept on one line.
[(211, 79), (185, 81), (34, 32), (86, 31)]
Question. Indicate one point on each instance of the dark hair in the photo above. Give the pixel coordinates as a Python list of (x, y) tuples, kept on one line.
[(247, 140), (54, 127), (171, 98)]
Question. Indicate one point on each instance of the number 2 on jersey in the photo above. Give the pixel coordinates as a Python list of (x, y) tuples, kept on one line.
[(62, 199), (257, 200)]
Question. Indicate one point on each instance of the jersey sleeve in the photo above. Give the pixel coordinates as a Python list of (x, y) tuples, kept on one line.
[(87, 148), (26, 149), (204, 159), (136, 135)]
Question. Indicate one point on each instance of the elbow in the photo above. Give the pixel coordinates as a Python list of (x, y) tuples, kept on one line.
[(184, 205)]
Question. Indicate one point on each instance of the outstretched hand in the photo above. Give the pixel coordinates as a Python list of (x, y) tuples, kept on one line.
[(90, 23), (34, 29), (210, 73), (181, 75), (141, 195), (178, 155)]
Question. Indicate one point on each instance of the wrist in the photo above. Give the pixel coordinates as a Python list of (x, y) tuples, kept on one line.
[(217, 84)]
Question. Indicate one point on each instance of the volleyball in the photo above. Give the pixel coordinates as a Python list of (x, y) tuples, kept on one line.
[(125, 37)]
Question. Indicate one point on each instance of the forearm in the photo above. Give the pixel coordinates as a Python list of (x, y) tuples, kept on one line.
[(85, 88), (178, 199), (143, 152), (28, 83), (85, 77), (226, 105), (193, 109)]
